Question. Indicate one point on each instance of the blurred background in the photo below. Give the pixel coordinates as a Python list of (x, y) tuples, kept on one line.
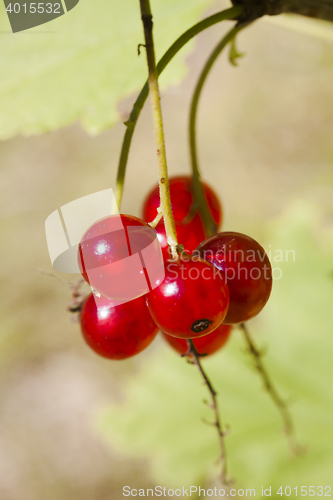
[(75, 425)]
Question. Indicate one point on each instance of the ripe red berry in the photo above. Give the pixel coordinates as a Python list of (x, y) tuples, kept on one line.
[(189, 227), (204, 345), (247, 272), (191, 301), (117, 332), (110, 259)]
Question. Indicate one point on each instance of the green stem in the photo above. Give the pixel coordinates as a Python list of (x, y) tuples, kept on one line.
[(199, 195), (165, 202), (228, 14)]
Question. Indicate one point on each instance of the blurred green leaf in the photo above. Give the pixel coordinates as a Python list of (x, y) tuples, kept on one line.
[(80, 65), (161, 418)]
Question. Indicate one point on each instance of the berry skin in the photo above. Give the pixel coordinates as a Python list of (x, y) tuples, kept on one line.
[(204, 345), (105, 256), (189, 227), (192, 300), (247, 272), (117, 332)]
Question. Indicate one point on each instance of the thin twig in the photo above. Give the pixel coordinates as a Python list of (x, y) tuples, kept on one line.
[(214, 406), (169, 223), (77, 298), (282, 406), (53, 275)]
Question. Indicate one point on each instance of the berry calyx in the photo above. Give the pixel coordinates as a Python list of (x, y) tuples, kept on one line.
[(189, 227), (246, 269), (192, 300), (117, 332), (205, 346)]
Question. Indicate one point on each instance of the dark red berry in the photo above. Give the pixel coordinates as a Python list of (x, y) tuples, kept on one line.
[(204, 345), (189, 227), (191, 301), (247, 272), (117, 332), (110, 256)]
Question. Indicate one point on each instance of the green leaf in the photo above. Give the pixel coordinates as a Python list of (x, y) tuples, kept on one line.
[(79, 66), (161, 419)]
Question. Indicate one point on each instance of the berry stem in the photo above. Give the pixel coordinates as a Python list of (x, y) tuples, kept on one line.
[(232, 13), (169, 223), (198, 190), (217, 423), (282, 406), (157, 219)]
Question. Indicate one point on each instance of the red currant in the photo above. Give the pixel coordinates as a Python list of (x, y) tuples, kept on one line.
[(110, 260), (204, 345), (247, 272), (191, 301), (117, 332), (189, 227)]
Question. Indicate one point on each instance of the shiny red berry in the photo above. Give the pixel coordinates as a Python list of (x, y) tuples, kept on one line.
[(110, 256), (189, 227), (117, 332), (191, 301), (204, 345), (247, 272)]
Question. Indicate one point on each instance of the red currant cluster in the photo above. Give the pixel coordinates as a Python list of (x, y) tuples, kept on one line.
[(215, 282)]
